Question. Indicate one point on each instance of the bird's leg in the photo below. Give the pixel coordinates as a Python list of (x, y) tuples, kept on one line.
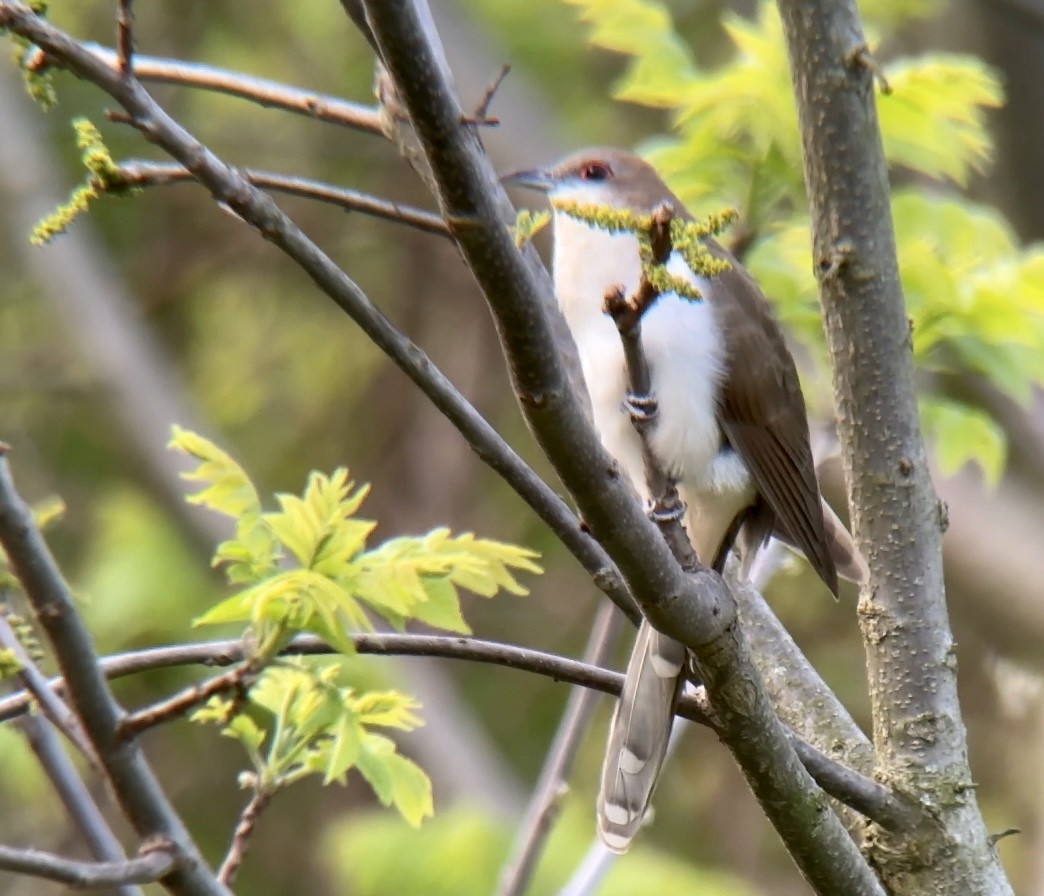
[(643, 409)]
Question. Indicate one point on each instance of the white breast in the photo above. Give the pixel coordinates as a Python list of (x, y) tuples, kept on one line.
[(685, 350)]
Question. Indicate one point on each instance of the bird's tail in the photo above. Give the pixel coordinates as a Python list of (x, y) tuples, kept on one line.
[(847, 558), (638, 736)]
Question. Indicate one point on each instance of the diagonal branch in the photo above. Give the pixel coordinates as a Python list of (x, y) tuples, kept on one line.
[(695, 609), (228, 186), (142, 798), (145, 869), (133, 174), (553, 783)]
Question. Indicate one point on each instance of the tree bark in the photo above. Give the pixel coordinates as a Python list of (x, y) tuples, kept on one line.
[(919, 736)]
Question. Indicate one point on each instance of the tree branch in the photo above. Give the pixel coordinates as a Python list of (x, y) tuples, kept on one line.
[(863, 791), (270, 94), (695, 609), (74, 795), (145, 869), (134, 173), (241, 837), (918, 731), (554, 776), (140, 794), (53, 709), (235, 679)]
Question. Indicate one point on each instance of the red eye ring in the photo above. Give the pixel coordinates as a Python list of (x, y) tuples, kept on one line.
[(595, 171)]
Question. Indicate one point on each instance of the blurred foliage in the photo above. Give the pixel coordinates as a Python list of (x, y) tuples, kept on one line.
[(462, 852)]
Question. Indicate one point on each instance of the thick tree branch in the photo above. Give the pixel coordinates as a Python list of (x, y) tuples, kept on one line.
[(695, 609), (918, 732), (144, 869), (137, 789)]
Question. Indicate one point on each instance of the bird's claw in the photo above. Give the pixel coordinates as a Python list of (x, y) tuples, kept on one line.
[(642, 408), (667, 510)]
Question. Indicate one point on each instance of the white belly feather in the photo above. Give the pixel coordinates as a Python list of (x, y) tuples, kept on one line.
[(685, 352)]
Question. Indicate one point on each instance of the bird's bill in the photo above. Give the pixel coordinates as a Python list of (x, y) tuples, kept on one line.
[(533, 179)]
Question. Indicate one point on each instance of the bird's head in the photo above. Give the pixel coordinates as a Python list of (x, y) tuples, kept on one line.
[(609, 177)]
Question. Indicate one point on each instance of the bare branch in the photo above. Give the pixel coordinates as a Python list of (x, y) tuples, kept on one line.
[(125, 35), (73, 792), (919, 735), (270, 94), (241, 837), (552, 785), (135, 173), (53, 708), (136, 723), (141, 796), (481, 116), (144, 869)]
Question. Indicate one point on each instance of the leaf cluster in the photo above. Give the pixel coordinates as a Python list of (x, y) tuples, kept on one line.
[(311, 724), (306, 567), (973, 292)]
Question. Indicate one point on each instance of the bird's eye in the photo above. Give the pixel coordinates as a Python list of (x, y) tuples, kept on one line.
[(595, 171)]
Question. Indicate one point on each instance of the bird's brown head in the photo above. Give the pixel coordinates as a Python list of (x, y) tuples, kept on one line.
[(604, 176)]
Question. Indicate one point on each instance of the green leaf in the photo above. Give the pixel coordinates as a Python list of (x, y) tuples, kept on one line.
[(389, 709), (442, 607), (396, 780), (228, 488), (344, 750), (964, 434), (934, 119)]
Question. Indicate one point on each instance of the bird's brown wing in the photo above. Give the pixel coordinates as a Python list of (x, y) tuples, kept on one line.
[(762, 414)]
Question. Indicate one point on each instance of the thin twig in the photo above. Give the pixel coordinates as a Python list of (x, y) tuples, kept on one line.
[(480, 116), (270, 94), (73, 792), (56, 711), (125, 36), (627, 313), (552, 785), (144, 869), (135, 724), (135, 173), (241, 837)]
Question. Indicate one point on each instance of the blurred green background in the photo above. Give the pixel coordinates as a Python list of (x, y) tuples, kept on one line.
[(160, 309)]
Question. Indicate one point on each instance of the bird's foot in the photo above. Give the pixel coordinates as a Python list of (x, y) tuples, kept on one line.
[(668, 508), (643, 409)]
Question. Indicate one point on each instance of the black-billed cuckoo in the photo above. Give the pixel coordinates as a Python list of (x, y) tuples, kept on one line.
[(731, 430)]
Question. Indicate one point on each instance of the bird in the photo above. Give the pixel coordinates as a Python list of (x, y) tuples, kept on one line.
[(731, 430)]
